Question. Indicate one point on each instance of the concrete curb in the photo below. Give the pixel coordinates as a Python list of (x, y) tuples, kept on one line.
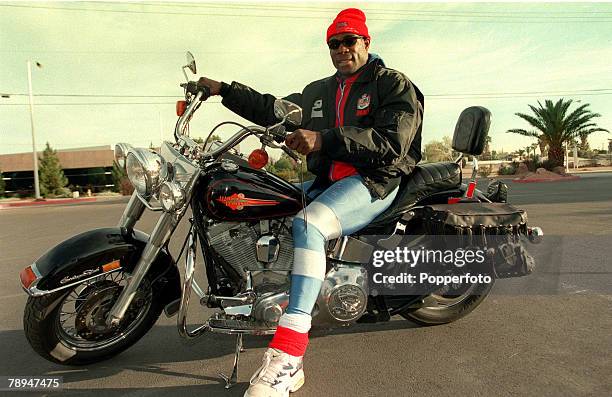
[(537, 180), (32, 203)]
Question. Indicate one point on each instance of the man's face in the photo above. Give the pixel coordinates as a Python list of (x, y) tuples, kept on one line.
[(348, 59)]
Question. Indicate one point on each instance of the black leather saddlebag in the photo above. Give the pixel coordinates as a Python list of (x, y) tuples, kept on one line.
[(474, 219), (495, 227)]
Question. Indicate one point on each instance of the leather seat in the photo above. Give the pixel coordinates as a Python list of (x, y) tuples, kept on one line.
[(424, 180)]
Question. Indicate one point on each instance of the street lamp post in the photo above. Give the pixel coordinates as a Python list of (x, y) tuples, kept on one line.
[(34, 154)]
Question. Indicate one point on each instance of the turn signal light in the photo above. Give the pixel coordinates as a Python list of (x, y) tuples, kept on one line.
[(258, 158), (180, 107), (27, 277), (111, 266)]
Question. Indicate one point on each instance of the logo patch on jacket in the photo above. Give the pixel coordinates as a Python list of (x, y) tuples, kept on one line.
[(363, 102), (363, 105), (317, 109)]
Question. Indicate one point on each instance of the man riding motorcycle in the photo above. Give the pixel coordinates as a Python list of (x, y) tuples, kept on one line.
[(361, 131)]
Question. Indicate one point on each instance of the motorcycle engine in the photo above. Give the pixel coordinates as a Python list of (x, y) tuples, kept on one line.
[(264, 248)]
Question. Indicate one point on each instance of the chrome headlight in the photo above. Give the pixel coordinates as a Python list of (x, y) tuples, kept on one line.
[(121, 151), (171, 196), (146, 170)]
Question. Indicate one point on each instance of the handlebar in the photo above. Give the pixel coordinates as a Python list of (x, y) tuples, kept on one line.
[(277, 132), (233, 141)]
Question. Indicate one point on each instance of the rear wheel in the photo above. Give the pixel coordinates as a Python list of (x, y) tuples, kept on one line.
[(449, 304), (69, 326)]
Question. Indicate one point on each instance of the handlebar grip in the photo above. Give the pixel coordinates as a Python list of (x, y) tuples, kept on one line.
[(194, 87)]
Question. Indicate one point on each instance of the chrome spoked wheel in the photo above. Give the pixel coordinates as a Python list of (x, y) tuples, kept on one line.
[(81, 318)]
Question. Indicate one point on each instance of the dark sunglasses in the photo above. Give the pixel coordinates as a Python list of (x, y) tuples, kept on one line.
[(348, 41)]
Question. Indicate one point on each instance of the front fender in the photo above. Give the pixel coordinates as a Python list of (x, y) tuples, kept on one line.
[(84, 255)]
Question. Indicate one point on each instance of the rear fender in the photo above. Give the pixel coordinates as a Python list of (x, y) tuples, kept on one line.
[(85, 255)]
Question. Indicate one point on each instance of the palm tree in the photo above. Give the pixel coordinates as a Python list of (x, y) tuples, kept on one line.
[(543, 145), (533, 148), (555, 127)]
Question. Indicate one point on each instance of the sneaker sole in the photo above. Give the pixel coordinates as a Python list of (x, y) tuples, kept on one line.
[(299, 383), (296, 386)]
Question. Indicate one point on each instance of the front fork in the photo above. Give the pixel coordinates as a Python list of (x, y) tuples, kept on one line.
[(159, 237)]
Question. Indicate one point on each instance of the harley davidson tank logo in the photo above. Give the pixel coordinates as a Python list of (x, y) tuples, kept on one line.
[(237, 201), (363, 102)]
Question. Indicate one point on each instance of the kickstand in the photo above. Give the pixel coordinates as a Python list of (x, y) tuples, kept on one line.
[(232, 380)]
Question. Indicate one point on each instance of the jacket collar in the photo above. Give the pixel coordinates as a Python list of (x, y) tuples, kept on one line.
[(366, 73)]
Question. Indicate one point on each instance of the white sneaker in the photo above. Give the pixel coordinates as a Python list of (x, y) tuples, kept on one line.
[(279, 375)]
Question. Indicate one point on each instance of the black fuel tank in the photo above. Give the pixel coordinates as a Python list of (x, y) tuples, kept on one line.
[(247, 194)]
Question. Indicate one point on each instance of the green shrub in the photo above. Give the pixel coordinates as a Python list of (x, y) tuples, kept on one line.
[(507, 169), (484, 171)]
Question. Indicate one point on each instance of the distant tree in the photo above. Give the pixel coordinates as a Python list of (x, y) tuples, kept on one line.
[(119, 177), (555, 126), (584, 142), (1, 184), (284, 163), (435, 151), (486, 153), (213, 138), (51, 177), (289, 169)]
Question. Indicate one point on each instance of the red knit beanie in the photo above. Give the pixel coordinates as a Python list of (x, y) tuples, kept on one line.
[(350, 20)]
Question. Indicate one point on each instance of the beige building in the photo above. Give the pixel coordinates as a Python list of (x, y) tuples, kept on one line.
[(89, 157), (85, 168)]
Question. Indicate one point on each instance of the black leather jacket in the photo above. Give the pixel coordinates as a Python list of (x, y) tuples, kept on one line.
[(382, 117)]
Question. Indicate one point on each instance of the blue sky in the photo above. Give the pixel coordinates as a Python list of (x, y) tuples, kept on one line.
[(503, 56)]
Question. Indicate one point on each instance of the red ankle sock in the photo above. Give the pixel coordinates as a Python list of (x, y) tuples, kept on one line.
[(289, 341)]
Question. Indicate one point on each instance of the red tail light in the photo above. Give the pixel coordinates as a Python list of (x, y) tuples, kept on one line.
[(180, 107), (258, 158), (27, 277)]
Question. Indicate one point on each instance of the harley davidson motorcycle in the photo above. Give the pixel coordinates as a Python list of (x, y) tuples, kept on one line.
[(97, 293)]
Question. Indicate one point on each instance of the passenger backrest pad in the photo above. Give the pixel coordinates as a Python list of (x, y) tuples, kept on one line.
[(471, 130)]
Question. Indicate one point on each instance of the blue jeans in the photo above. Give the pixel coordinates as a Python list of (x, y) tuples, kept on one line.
[(342, 209)]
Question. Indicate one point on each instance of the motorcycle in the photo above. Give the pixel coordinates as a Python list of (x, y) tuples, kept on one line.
[(97, 293)]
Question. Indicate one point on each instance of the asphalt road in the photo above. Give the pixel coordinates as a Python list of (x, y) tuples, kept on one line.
[(543, 335)]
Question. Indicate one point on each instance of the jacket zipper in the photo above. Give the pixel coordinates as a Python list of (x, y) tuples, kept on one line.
[(342, 85)]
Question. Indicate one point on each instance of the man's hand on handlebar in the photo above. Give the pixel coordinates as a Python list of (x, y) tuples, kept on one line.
[(213, 86), (304, 141)]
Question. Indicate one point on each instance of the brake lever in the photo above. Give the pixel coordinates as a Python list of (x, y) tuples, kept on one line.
[(291, 154)]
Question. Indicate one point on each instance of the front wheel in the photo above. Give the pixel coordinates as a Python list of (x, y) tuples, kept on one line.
[(69, 326), (449, 304)]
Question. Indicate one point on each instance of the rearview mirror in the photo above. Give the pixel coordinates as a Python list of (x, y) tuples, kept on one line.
[(288, 111), (191, 64)]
